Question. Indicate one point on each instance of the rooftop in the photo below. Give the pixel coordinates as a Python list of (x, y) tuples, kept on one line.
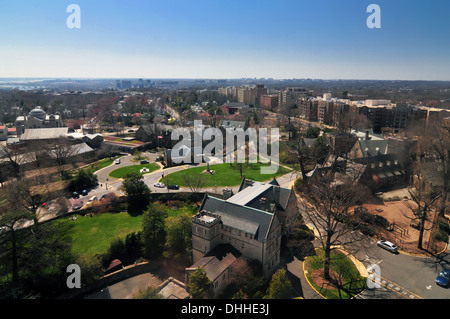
[(248, 194), (44, 133)]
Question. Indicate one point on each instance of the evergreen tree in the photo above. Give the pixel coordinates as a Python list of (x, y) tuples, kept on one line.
[(154, 232), (199, 284), (280, 286)]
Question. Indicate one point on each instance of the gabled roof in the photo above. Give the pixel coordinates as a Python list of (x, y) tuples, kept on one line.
[(371, 148), (217, 260)]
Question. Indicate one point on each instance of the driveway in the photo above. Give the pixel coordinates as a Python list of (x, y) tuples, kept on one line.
[(126, 160), (127, 288)]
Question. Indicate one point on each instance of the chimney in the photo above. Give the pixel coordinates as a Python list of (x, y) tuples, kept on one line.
[(276, 194), (367, 135), (227, 193)]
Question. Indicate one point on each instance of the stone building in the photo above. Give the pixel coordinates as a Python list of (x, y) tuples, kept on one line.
[(252, 221), (37, 118)]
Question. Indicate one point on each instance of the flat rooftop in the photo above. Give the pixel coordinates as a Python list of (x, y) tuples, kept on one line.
[(249, 193), (207, 218)]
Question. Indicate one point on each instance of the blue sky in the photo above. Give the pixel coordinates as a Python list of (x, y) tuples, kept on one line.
[(326, 39)]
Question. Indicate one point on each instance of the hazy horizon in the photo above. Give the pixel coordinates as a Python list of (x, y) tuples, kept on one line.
[(175, 39)]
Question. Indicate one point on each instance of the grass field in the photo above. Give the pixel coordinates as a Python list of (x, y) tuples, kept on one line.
[(100, 164), (93, 235), (224, 175), (123, 171), (351, 282)]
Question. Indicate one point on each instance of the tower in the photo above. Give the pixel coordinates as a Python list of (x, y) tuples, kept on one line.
[(205, 233)]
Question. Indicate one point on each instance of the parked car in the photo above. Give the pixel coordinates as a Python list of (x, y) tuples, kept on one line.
[(443, 278), (75, 195), (117, 161), (160, 185), (78, 205), (388, 246), (173, 186), (84, 192), (93, 198), (144, 162)]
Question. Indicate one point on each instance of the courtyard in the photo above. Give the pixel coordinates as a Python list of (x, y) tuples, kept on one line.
[(395, 206)]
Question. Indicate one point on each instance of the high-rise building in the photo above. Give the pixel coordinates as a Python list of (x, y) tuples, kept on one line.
[(290, 95), (269, 101), (251, 94)]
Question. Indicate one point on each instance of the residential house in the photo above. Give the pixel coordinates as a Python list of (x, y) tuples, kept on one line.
[(252, 221), (159, 135)]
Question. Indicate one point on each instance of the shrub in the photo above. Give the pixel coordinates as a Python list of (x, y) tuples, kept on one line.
[(366, 230), (444, 226), (440, 235)]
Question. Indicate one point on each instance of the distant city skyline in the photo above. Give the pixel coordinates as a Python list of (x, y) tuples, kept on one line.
[(232, 39)]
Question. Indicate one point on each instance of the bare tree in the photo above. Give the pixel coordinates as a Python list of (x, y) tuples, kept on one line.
[(61, 153), (14, 158), (195, 182), (424, 203), (436, 142), (23, 196), (329, 211), (290, 111), (352, 120)]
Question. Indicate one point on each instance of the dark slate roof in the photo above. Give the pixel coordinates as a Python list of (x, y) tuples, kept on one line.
[(373, 147), (244, 218)]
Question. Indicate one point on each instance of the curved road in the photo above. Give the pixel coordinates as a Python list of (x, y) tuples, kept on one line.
[(113, 184)]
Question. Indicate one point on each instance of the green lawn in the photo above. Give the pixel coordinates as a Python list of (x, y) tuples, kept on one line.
[(93, 235), (224, 174), (123, 171), (101, 164), (352, 282)]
